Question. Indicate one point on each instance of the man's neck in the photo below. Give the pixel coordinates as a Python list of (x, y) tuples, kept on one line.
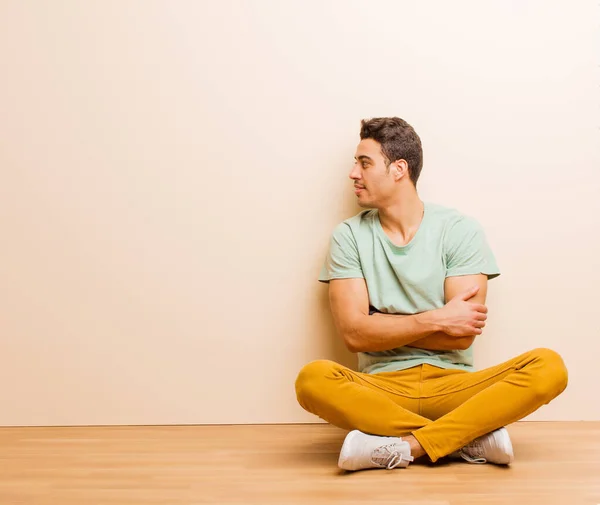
[(402, 219)]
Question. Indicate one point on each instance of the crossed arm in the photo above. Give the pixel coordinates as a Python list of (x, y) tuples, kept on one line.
[(453, 326)]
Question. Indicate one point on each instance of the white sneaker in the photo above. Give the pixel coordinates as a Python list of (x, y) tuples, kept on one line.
[(362, 451), (495, 447)]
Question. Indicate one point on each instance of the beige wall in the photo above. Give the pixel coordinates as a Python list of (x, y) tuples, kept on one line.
[(171, 172)]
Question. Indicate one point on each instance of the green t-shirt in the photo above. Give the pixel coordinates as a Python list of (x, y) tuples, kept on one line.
[(409, 279)]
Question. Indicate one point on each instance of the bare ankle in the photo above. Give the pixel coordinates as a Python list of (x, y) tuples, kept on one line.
[(416, 449)]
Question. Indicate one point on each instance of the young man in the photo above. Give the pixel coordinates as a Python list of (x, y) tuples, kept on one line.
[(407, 288)]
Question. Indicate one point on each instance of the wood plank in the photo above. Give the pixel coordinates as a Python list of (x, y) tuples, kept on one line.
[(555, 463)]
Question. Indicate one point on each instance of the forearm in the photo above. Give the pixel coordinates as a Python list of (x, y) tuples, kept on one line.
[(382, 332), (441, 341), (437, 341), (450, 327)]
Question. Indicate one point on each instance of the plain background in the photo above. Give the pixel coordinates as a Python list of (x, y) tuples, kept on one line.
[(172, 170)]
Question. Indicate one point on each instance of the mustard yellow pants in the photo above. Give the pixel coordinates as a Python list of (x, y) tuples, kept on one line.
[(444, 409)]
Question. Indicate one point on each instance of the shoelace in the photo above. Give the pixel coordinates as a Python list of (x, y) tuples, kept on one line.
[(389, 456), (473, 453)]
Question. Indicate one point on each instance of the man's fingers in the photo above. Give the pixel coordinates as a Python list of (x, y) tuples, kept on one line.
[(480, 316)]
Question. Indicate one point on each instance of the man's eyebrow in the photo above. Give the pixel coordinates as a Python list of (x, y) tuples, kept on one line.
[(363, 157)]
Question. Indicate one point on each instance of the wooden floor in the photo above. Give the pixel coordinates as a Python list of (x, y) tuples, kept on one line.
[(556, 463)]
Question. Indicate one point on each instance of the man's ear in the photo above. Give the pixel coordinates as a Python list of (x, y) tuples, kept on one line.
[(400, 169)]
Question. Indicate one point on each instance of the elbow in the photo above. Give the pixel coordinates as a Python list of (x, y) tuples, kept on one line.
[(351, 342), (355, 335), (464, 343), (352, 339)]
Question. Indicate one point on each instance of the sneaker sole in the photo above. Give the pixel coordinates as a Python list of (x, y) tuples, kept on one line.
[(502, 438)]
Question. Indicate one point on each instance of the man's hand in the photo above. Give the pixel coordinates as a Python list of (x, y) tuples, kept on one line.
[(461, 318)]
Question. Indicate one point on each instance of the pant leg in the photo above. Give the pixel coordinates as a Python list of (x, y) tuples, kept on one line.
[(380, 404), (468, 405)]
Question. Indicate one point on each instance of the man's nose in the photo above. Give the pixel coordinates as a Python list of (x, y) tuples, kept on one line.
[(354, 173)]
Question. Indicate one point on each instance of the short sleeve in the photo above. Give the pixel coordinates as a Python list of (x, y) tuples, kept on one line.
[(467, 251), (342, 261)]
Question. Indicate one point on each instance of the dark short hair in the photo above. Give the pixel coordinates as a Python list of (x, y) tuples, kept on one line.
[(398, 140)]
